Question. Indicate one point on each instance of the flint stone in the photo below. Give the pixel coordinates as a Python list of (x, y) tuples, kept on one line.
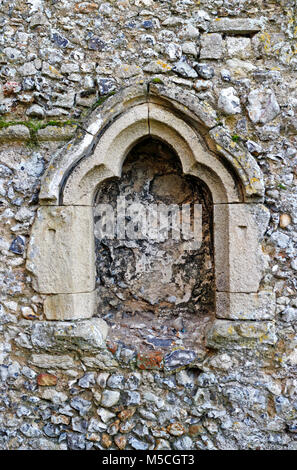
[(37, 20), (60, 40), (18, 245), (133, 381), (229, 102), (30, 430), (268, 132), (46, 444), (189, 32), (189, 48), (205, 71), (102, 379), (262, 106), (253, 147), (81, 405), (97, 44), (65, 100), (116, 381), (106, 85), (179, 358), (294, 264), (184, 379), (127, 354), (87, 380), (162, 444), (137, 444), (97, 426), (110, 398), (36, 111), (183, 443), (240, 67), (76, 441), (12, 54), (53, 395), (50, 71), (79, 424), (130, 398), (29, 373), (183, 69), (105, 415), (280, 239), (51, 430), (173, 51), (289, 314)]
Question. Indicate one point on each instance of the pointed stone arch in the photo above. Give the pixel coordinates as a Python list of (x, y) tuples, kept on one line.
[(61, 253)]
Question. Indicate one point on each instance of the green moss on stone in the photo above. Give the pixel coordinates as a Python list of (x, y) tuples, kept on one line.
[(281, 186), (101, 100), (35, 125), (157, 80)]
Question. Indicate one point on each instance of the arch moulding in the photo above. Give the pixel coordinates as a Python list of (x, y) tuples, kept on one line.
[(61, 252)]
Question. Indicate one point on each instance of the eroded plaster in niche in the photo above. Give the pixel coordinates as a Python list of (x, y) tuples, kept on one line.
[(155, 293)]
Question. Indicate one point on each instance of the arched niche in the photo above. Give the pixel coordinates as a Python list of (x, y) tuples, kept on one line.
[(61, 249), (154, 251)]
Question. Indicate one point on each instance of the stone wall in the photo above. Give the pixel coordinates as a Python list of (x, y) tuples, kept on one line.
[(69, 384)]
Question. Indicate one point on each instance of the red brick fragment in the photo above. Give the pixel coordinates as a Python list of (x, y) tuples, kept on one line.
[(150, 360), (47, 380)]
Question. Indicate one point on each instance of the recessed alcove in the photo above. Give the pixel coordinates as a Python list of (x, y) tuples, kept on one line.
[(154, 288), (70, 271)]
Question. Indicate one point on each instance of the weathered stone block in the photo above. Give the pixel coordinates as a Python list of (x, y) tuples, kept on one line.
[(107, 159), (56, 133), (70, 306), (18, 132), (240, 334), (201, 109), (211, 46), (237, 25), (47, 361), (239, 47), (242, 306), (86, 335), (242, 161), (240, 261), (61, 253)]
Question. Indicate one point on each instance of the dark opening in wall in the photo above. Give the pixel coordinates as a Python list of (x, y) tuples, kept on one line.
[(155, 293)]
